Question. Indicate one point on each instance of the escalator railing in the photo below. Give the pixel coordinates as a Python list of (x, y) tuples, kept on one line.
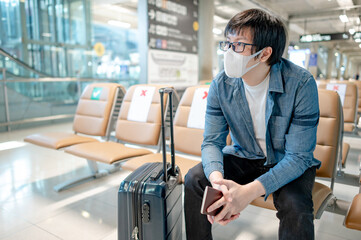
[(7, 57), (29, 98)]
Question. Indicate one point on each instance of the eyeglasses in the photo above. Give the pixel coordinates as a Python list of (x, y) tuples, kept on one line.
[(238, 47)]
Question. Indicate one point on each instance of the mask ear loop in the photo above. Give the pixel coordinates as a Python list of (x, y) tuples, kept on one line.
[(253, 56)]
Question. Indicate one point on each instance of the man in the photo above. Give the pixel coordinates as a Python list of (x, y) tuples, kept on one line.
[(270, 106)]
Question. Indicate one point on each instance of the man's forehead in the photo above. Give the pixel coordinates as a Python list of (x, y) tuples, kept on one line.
[(241, 34)]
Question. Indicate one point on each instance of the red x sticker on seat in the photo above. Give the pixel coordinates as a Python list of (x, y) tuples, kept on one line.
[(143, 93), (205, 95)]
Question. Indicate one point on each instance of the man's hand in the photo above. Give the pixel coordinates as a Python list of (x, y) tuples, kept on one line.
[(235, 198), (214, 177)]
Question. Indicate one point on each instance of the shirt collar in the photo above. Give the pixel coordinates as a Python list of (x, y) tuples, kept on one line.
[(276, 80)]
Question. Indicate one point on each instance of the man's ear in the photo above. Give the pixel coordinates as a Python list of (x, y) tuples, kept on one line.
[(266, 54)]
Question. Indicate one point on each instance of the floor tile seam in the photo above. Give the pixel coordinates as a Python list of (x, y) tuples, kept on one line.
[(43, 229)]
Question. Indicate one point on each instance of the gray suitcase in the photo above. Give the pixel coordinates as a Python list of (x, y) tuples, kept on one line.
[(150, 198)]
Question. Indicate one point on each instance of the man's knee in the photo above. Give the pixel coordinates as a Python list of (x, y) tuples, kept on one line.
[(194, 175), (293, 202)]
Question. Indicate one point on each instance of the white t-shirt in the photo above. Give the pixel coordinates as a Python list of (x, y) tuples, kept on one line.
[(256, 98)]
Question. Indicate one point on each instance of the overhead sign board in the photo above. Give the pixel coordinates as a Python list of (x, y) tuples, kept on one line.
[(172, 42), (324, 37), (173, 25)]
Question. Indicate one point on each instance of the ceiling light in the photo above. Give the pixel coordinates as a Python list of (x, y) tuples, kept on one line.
[(119, 24), (343, 17), (359, 45), (358, 21), (358, 40), (351, 31), (296, 47)]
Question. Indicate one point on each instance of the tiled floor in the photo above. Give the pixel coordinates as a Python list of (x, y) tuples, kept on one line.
[(31, 209)]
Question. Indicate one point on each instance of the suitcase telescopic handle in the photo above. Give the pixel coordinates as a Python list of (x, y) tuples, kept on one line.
[(170, 94)]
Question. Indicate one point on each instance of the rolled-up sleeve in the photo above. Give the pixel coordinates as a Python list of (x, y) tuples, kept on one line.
[(215, 134), (300, 140)]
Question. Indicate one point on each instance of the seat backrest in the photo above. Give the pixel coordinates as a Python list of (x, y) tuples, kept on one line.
[(95, 107), (350, 103), (329, 133), (189, 139), (358, 85), (139, 120)]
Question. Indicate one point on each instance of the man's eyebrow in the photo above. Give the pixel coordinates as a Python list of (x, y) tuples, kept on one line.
[(238, 39)]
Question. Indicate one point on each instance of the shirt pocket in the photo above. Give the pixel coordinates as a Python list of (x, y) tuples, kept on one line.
[(278, 128)]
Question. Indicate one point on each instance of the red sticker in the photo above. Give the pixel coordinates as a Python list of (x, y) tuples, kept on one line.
[(143, 93), (205, 95)]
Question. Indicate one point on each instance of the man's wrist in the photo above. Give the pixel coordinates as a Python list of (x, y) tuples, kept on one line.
[(215, 175), (257, 189)]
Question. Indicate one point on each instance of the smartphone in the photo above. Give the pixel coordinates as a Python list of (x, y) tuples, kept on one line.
[(210, 196)]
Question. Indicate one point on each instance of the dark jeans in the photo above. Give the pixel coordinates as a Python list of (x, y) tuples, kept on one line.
[(293, 201)]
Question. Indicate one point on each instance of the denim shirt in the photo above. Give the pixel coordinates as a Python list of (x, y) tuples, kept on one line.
[(292, 115)]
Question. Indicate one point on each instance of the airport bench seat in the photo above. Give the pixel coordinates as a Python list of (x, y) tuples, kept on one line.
[(320, 193), (345, 151), (57, 140), (329, 134), (358, 84), (138, 123), (187, 138), (353, 216), (93, 117), (350, 103), (106, 152), (350, 110)]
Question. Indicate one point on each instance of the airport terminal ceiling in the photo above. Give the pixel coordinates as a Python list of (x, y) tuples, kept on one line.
[(301, 16)]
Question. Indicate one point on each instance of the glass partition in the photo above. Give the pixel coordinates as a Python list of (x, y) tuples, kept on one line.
[(15, 70), (59, 38), (33, 99), (72, 43), (2, 103)]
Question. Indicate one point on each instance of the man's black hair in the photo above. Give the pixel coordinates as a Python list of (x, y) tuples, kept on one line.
[(266, 30)]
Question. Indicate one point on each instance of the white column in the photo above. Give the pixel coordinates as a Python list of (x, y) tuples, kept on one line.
[(205, 39), (330, 58)]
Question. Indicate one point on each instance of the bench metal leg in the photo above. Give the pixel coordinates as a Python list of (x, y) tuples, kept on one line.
[(329, 202), (95, 173)]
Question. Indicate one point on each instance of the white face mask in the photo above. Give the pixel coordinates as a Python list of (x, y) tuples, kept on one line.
[(235, 63)]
